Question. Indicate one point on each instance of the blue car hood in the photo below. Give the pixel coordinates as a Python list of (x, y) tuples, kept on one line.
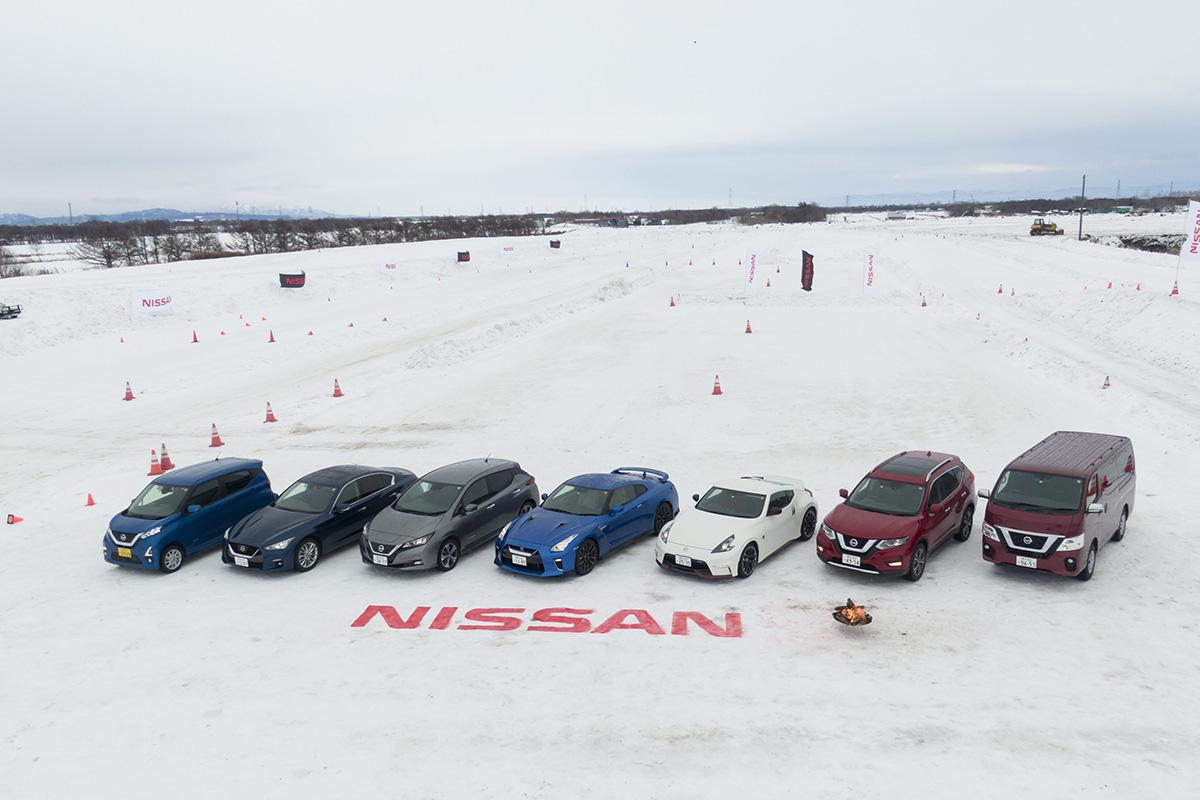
[(270, 523), (548, 528), (123, 524)]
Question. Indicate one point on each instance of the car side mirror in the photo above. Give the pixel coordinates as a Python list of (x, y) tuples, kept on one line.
[(193, 508), (774, 511), (936, 508), (545, 497), (842, 493), (470, 508), (696, 498), (1095, 508), (616, 509), (986, 494), (341, 508)]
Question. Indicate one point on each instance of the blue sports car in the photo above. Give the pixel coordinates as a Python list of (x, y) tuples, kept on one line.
[(586, 518), (322, 512)]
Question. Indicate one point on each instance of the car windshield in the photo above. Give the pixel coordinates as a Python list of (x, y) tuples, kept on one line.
[(885, 496), (1039, 491), (305, 497), (157, 501), (428, 498), (732, 503), (578, 500)]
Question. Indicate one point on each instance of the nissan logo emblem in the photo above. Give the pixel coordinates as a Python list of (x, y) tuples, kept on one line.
[(854, 542), (1028, 540), (379, 547)]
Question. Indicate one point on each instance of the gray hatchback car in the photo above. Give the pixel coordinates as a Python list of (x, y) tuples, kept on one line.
[(448, 512)]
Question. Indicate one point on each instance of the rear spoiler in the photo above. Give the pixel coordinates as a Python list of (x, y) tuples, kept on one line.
[(644, 472)]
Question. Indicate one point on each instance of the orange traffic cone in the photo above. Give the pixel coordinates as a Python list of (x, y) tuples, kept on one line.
[(167, 463), (222, 333), (776, 270), (122, 340), (1106, 384), (270, 415), (768, 283), (264, 319), (216, 438), (308, 334), (271, 337), (1001, 289), (247, 324), (689, 262), (385, 319), (672, 303), (1138, 288), (1012, 292), (13, 519), (1109, 285), (748, 327), (717, 385), (128, 392), (155, 467), (977, 316), (337, 388), (1174, 290), (194, 339), (714, 262), (91, 501), (923, 303), (351, 325)]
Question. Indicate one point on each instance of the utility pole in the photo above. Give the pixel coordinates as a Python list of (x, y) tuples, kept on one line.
[(847, 201), (1082, 197), (1118, 188), (71, 213), (730, 197), (237, 210), (1171, 191), (954, 196)]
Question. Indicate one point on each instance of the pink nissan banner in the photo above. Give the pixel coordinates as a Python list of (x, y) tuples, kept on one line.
[(150, 301), (869, 272)]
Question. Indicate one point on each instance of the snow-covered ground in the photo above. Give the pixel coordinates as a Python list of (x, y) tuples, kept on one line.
[(979, 680)]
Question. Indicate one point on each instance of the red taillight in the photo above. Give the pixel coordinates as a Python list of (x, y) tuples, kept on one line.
[(530, 481)]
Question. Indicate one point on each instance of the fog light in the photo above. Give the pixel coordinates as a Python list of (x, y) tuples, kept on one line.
[(895, 563), (278, 562), (987, 550), (1071, 564), (558, 563), (418, 563)]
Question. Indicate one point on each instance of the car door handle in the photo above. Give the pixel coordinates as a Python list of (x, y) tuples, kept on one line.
[(489, 508), (639, 505)]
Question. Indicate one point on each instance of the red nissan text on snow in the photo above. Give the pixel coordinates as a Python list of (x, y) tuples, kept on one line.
[(1059, 502), (551, 620)]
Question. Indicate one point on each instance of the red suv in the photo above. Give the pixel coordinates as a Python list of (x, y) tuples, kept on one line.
[(899, 513)]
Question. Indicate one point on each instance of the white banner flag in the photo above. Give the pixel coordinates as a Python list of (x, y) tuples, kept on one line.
[(753, 258), (389, 269), (1191, 241), (869, 272), (148, 301)]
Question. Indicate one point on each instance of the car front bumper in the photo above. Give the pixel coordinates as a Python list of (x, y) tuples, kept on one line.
[(704, 562), (408, 558), (1068, 564), (137, 558), (894, 560), (262, 560), (539, 560)]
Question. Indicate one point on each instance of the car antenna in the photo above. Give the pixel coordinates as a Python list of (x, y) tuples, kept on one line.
[(485, 458)]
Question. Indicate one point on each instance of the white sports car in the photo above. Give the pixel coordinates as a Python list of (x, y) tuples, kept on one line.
[(736, 524)]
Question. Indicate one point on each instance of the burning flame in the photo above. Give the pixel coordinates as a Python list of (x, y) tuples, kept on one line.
[(851, 614)]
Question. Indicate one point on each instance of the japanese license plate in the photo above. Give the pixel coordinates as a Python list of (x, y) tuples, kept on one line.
[(520, 560), (1025, 561), (852, 561), (380, 560), (125, 552), (683, 561), (241, 562)]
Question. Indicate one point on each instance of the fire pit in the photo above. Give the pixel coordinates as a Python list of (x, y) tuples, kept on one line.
[(851, 614)]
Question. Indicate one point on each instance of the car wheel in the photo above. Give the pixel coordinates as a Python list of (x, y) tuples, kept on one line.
[(448, 554), (662, 515), (916, 565), (171, 559), (964, 529), (586, 556), (526, 507), (307, 554), (809, 525), (1120, 532), (1089, 566), (748, 560)]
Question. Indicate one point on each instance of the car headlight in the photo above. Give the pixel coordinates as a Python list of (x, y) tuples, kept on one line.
[(1068, 545), (152, 531), (725, 546), (558, 548), (364, 530), (227, 530), (666, 529), (828, 531), (991, 533), (108, 532), (416, 542), (884, 544), (503, 532), (280, 545)]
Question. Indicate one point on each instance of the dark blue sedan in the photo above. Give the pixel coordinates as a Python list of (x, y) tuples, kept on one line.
[(319, 513)]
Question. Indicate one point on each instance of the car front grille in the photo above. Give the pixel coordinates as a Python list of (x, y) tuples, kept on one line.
[(243, 550), (533, 559), (698, 567), (1020, 543)]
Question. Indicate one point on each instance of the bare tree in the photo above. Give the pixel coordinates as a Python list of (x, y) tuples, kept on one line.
[(105, 253), (9, 268)]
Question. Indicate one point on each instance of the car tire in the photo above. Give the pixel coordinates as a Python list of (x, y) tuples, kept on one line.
[(171, 559), (306, 555), (747, 561), (1119, 534), (1089, 566), (964, 527), (449, 551), (916, 563), (662, 515), (586, 556), (808, 527), (526, 507)]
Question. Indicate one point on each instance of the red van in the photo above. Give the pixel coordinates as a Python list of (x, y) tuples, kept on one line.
[(1059, 502)]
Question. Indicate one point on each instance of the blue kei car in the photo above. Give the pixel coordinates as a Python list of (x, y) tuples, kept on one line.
[(586, 518), (185, 512)]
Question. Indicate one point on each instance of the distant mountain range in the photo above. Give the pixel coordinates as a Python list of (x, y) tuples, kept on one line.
[(168, 214)]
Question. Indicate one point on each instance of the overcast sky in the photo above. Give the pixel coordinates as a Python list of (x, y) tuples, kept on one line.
[(355, 106)]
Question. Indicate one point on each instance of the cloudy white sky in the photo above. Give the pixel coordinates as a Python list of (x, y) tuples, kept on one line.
[(357, 106)]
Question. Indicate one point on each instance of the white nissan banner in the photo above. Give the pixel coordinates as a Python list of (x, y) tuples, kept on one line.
[(389, 269), (151, 301), (869, 272), (1190, 252)]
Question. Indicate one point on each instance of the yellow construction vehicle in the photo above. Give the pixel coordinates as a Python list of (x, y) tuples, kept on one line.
[(1042, 228)]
